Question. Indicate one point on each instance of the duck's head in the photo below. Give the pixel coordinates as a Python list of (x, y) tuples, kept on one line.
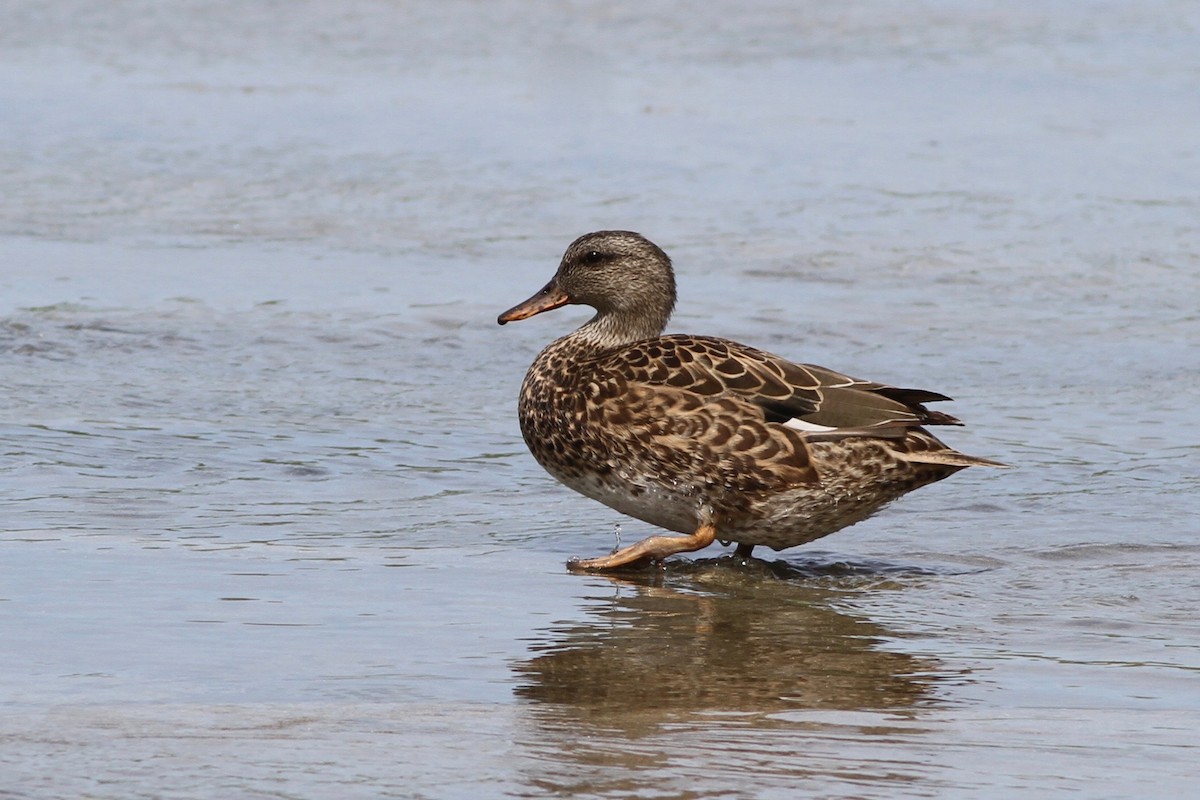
[(623, 275)]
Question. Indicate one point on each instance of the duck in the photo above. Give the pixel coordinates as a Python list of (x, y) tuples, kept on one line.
[(707, 438)]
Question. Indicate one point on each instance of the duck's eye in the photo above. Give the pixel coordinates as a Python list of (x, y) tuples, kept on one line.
[(593, 257)]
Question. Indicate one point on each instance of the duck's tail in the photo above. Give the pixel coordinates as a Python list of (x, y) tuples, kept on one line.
[(952, 458), (922, 447)]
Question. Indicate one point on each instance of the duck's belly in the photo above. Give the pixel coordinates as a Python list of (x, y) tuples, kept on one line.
[(650, 502), (803, 514), (779, 520), (785, 520), (857, 479)]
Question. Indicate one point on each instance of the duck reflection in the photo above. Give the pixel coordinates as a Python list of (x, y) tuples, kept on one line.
[(723, 636)]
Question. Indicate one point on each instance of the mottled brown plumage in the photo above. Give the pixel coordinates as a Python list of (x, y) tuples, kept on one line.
[(704, 436)]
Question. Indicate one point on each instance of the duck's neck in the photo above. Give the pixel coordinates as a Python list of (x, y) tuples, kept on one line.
[(609, 330)]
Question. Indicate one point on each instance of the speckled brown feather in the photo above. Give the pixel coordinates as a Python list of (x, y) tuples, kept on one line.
[(691, 432), (782, 389)]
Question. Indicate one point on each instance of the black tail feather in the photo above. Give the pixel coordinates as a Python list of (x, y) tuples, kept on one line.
[(916, 399)]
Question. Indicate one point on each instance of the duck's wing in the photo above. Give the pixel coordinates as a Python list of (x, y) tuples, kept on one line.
[(805, 397)]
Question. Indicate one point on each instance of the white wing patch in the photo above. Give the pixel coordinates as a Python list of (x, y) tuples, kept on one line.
[(807, 427)]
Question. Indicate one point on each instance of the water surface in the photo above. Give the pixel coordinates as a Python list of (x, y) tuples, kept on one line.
[(268, 525)]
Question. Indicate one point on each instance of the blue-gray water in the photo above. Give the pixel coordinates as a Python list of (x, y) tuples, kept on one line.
[(268, 526)]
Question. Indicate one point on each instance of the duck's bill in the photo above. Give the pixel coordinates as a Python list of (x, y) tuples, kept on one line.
[(550, 297)]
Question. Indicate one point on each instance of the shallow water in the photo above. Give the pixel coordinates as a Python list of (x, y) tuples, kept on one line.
[(269, 528)]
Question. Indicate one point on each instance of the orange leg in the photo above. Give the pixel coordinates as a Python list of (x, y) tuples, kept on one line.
[(655, 547)]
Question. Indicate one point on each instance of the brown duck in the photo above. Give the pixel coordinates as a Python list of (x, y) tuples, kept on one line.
[(704, 436)]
